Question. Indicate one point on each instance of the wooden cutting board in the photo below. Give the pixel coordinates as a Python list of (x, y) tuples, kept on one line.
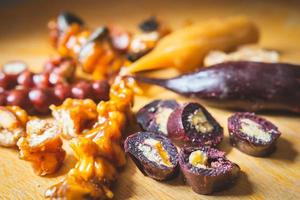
[(23, 36)]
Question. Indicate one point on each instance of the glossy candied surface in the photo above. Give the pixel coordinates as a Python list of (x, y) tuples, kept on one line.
[(25, 38)]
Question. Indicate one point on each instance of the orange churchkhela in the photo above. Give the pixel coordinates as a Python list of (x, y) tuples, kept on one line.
[(98, 151)]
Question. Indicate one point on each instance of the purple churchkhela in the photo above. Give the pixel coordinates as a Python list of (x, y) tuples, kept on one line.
[(206, 169), (251, 134), (193, 125), (243, 85), (154, 116), (154, 154)]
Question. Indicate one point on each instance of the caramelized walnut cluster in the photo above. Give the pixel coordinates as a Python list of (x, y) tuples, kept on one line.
[(12, 125), (74, 116), (91, 176), (42, 146), (98, 150)]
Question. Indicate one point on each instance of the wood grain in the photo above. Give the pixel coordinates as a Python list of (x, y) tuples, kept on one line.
[(23, 36)]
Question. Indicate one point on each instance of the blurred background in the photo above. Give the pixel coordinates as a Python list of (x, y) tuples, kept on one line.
[(23, 23)]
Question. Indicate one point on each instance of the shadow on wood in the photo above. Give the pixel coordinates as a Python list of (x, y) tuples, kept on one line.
[(242, 187), (284, 151), (225, 145)]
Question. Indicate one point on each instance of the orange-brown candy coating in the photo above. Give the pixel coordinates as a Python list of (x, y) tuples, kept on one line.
[(42, 146)]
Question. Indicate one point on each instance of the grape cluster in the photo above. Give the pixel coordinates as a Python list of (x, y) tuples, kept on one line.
[(35, 92)]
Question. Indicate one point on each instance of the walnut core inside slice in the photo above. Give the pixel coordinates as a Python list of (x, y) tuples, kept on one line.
[(162, 117), (154, 151), (11, 128), (200, 122), (255, 130), (198, 158)]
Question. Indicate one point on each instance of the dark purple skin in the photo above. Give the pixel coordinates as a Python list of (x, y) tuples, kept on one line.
[(219, 174), (146, 116), (180, 129), (147, 167), (248, 86), (251, 145), (65, 19)]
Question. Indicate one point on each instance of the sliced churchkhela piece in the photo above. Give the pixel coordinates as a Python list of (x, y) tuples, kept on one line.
[(154, 154), (186, 48), (251, 134), (193, 124), (206, 169), (154, 116), (248, 86)]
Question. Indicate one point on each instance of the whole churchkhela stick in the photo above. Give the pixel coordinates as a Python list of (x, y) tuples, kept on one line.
[(249, 86), (186, 48)]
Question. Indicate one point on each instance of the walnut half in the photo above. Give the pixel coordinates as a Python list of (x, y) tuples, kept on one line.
[(42, 146), (12, 125)]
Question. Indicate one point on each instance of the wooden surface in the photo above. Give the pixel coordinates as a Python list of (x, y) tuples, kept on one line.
[(23, 36)]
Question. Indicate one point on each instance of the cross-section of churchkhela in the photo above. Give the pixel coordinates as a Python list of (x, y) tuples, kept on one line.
[(206, 169), (154, 116), (154, 154), (103, 51), (251, 134), (42, 146), (98, 151), (192, 124), (12, 125)]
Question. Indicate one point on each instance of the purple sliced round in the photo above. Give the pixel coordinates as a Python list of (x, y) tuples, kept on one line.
[(194, 124), (142, 148), (251, 134), (154, 116), (213, 173)]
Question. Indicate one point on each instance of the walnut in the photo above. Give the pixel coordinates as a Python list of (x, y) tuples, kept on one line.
[(42, 146), (98, 151), (89, 178), (12, 125), (75, 115)]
